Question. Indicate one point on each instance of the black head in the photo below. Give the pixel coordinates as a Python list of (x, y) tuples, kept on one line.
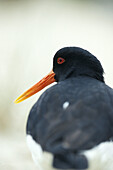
[(74, 61), (68, 62)]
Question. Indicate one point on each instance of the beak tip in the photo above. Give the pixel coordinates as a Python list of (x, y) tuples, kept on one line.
[(15, 101)]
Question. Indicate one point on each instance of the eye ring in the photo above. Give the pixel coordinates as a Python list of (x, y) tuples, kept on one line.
[(60, 60)]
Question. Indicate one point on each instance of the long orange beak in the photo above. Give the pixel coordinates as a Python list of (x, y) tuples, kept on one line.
[(37, 87)]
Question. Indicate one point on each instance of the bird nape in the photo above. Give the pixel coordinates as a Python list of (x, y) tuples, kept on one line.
[(71, 124)]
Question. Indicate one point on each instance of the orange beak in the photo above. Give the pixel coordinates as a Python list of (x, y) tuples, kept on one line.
[(37, 87)]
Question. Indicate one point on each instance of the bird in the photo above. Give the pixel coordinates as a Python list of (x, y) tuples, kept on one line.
[(71, 124)]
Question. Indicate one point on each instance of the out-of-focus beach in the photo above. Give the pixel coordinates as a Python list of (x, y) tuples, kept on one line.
[(30, 34)]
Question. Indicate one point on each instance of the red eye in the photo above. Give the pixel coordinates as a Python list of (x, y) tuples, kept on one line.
[(60, 60)]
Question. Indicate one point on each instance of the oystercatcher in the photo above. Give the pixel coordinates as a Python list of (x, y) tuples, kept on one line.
[(71, 124)]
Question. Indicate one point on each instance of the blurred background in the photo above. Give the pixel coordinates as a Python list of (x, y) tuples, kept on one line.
[(30, 34)]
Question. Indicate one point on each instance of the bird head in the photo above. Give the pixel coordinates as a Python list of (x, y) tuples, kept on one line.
[(68, 62), (74, 61)]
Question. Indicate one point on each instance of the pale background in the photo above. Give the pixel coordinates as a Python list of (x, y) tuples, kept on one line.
[(30, 33)]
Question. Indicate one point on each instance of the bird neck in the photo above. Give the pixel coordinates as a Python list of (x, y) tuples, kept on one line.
[(86, 73)]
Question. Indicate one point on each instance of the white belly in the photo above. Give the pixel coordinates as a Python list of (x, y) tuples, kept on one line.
[(43, 160), (99, 158)]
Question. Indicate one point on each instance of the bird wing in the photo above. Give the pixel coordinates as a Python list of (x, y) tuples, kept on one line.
[(78, 128)]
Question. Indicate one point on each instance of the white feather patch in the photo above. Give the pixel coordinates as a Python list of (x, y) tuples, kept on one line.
[(42, 159), (65, 105), (100, 157)]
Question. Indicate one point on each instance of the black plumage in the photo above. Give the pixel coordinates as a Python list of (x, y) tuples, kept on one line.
[(86, 122)]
